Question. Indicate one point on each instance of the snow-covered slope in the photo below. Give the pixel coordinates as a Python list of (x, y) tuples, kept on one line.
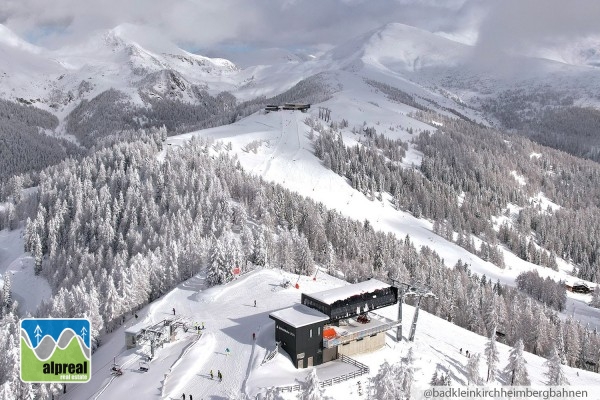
[(400, 48), (26, 288), (277, 147), (230, 319)]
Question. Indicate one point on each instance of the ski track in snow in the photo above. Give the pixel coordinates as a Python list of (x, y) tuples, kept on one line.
[(307, 176), (230, 318)]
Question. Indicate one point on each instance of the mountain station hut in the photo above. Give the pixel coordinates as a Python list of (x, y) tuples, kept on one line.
[(334, 322)]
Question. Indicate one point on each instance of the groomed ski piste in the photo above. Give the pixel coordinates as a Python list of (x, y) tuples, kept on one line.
[(285, 155), (230, 319)]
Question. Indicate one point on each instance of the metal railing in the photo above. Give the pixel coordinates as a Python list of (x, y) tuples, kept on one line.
[(362, 370), (329, 343)]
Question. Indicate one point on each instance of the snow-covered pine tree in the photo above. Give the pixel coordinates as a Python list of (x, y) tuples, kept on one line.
[(556, 375), (516, 370), (596, 297), (312, 387), (473, 375), (218, 270), (6, 290), (259, 252), (491, 356), (407, 372), (435, 379), (390, 381)]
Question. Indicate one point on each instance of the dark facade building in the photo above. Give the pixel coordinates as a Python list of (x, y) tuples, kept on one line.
[(299, 331), (335, 322)]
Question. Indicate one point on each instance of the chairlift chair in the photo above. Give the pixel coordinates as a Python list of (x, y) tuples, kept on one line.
[(144, 366), (116, 370)]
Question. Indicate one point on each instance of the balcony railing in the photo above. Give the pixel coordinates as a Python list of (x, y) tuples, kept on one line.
[(358, 334)]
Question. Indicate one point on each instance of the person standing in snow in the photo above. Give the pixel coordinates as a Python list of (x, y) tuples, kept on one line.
[(211, 374), (227, 351), (220, 375), (174, 314), (191, 397), (253, 336), (254, 303), (183, 396)]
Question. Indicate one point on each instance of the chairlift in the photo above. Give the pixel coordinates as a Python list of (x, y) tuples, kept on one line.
[(144, 366)]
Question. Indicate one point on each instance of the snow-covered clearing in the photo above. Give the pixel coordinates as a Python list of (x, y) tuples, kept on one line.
[(27, 289)]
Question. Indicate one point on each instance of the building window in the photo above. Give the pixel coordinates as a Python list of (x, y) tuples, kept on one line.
[(319, 331), (310, 333)]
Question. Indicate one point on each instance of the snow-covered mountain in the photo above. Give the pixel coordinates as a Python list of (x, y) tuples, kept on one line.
[(59, 79), (397, 80)]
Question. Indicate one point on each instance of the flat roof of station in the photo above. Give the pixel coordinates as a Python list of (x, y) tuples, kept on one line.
[(299, 315), (332, 295)]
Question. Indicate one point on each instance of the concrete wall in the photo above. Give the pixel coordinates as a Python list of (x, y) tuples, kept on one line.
[(329, 354), (368, 344)]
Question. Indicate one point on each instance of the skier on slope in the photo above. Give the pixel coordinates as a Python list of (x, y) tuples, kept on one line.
[(174, 314)]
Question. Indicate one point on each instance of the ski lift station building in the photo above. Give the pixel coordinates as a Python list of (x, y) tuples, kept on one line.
[(334, 322)]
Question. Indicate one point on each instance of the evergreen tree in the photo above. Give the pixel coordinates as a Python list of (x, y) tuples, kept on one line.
[(556, 375), (516, 370), (312, 387), (259, 252), (7, 290), (491, 356), (473, 375), (390, 381), (218, 270)]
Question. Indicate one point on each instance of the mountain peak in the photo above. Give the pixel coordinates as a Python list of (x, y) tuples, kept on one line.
[(399, 47)]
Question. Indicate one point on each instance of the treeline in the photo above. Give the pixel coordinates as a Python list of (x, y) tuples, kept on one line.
[(478, 161), (24, 146), (431, 193), (467, 179), (549, 118), (546, 290)]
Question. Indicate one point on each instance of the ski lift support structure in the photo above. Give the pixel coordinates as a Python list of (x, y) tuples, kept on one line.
[(419, 291), (402, 289)]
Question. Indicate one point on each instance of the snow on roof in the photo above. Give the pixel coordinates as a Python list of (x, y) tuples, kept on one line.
[(299, 315), (344, 292), (137, 327)]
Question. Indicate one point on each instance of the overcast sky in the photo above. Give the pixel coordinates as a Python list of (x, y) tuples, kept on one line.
[(206, 25)]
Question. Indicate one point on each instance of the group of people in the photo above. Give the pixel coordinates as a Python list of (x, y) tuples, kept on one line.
[(183, 397), (219, 375), (467, 354)]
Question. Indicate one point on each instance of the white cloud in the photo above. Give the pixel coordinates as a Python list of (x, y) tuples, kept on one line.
[(207, 23)]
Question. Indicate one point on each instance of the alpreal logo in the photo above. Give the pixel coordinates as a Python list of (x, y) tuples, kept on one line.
[(55, 350)]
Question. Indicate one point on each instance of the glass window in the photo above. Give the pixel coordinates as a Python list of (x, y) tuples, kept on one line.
[(310, 333)]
